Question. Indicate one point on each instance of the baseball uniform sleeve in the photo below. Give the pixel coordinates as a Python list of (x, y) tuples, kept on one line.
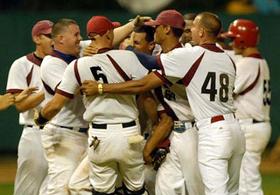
[(246, 74), (138, 70), (52, 72), (69, 83), (18, 76)]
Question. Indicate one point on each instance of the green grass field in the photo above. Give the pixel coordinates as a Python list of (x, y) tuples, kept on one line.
[(271, 186)]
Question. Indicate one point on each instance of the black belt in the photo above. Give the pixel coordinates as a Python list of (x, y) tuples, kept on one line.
[(104, 126), (256, 121), (31, 126), (82, 129)]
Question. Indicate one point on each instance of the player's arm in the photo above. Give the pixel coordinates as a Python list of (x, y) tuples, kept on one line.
[(6, 100), (160, 132), (122, 32), (51, 109), (149, 82), (26, 101), (150, 106)]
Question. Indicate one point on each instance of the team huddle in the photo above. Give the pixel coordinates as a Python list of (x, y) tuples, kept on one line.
[(181, 107)]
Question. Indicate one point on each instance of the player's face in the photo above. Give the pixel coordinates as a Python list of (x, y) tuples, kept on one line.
[(71, 40), (195, 34), (159, 34), (187, 35), (45, 44), (140, 43)]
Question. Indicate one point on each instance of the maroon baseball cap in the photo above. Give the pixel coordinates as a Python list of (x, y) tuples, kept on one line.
[(168, 17), (42, 27), (100, 25)]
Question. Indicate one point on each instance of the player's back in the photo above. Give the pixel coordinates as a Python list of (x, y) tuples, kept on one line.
[(208, 74), (111, 67), (252, 87)]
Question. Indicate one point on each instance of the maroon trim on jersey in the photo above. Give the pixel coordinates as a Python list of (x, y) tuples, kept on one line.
[(255, 55), (34, 59), (252, 85), (178, 45), (161, 112), (102, 50), (61, 92), (77, 75), (212, 47), (57, 86), (12, 91), (118, 68), (234, 66), (29, 76), (169, 111), (160, 64), (161, 77), (48, 88), (190, 74)]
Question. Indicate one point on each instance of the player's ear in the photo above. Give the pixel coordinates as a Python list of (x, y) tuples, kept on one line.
[(36, 39), (152, 46)]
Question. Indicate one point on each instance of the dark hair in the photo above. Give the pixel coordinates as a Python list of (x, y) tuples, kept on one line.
[(61, 25), (150, 31), (210, 22), (177, 32)]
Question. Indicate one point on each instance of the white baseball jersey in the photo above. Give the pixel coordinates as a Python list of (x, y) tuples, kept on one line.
[(252, 87), (110, 67), (24, 73), (208, 74), (71, 115)]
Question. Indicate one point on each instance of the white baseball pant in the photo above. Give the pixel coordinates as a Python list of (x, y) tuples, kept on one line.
[(221, 146), (32, 166), (257, 136)]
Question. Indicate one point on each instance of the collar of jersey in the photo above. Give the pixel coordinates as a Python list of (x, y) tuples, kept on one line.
[(102, 50), (66, 57)]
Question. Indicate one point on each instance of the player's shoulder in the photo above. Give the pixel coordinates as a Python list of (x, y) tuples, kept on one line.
[(22, 62), (51, 61), (120, 52)]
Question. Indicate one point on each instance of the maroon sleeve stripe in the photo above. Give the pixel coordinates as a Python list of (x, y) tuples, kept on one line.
[(165, 80), (29, 76), (12, 91), (118, 68), (190, 74), (252, 85), (48, 88), (234, 66), (76, 71), (61, 92)]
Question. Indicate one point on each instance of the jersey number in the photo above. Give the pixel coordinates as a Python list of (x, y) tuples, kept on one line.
[(98, 74), (266, 93), (212, 91)]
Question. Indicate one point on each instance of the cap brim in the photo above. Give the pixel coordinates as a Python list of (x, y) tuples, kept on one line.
[(152, 23), (116, 24)]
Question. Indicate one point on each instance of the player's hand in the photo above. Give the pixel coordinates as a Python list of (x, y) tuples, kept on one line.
[(147, 156), (6, 101), (90, 50), (140, 20), (25, 93), (89, 88)]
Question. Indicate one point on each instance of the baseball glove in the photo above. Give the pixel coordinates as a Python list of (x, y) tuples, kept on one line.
[(158, 157)]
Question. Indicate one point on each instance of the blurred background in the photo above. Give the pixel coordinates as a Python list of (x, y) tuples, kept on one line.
[(18, 16)]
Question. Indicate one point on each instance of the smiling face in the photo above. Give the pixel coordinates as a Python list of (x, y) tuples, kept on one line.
[(71, 39), (140, 43)]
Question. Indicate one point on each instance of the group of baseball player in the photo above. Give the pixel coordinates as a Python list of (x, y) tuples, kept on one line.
[(204, 107)]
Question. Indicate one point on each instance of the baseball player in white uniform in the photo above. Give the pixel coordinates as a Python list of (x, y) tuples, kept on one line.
[(114, 129), (253, 98), (179, 173), (64, 138), (208, 74), (25, 72)]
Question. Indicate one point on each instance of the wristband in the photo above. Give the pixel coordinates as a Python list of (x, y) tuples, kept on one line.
[(100, 88), (41, 121)]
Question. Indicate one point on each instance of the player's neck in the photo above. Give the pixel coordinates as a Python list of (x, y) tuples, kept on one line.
[(249, 51), (169, 44), (39, 53)]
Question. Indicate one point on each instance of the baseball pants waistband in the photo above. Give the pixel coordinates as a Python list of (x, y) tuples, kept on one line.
[(31, 126), (104, 126), (215, 119)]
